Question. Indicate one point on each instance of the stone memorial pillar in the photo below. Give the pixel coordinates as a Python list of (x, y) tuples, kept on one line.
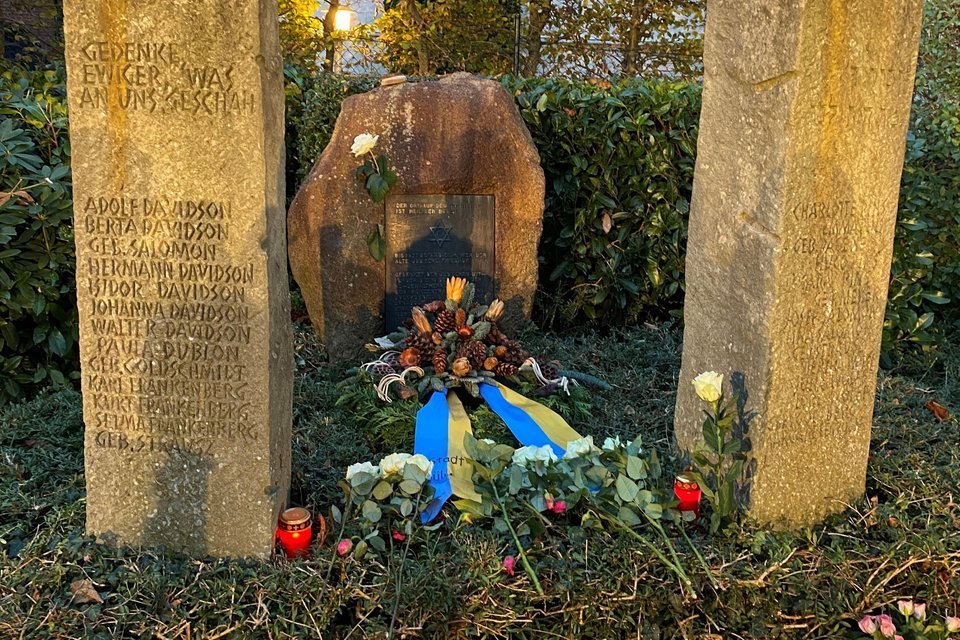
[(805, 111), (176, 125)]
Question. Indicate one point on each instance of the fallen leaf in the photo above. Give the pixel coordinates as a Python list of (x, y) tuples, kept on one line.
[(321, 530), (938, 410), (607, 223), (84, 593), (23, 197)]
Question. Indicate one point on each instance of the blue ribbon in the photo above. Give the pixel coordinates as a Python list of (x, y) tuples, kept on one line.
[(523, 427), (431, 438), (530, 422)]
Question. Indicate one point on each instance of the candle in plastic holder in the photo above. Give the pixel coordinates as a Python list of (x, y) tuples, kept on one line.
[(295, 532), (689, 493)]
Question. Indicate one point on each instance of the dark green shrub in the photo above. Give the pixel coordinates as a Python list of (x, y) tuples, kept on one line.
[(925, 283), (313, 104), (38, 314), (619, 164)]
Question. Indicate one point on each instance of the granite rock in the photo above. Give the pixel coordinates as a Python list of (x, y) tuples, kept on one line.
[(459, 136)]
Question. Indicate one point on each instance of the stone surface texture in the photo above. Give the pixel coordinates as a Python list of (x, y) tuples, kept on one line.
[(800, 151), (176, 125), (461, 135)]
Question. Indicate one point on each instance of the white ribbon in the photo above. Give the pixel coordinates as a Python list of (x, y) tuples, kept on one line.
[(383, 387), (563, 381)]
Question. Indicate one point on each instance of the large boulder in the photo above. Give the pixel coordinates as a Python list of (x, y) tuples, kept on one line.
[(459, 136)]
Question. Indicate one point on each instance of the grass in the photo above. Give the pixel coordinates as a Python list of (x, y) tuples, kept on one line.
[(901, 540)]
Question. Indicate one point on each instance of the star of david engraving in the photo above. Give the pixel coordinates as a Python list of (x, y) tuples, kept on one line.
[(440, 233)]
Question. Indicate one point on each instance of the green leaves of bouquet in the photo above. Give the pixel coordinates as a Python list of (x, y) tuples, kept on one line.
[(389, 497), (522, 490), (618, 480), (718, 457)]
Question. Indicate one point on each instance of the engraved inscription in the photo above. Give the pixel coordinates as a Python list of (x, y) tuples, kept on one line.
[(169, 318), (157, 77), (824, 324), (431, 238)]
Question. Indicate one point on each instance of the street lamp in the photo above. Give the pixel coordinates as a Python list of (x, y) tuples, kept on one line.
[(338, 21), (344, 19)]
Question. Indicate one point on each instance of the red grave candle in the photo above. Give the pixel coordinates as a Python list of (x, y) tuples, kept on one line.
[(688, 492), (295, 532)]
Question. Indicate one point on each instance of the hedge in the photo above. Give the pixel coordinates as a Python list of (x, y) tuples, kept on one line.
[(925, 284), (38, 311)]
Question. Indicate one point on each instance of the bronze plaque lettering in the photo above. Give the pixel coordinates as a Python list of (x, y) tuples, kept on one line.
[(430, 238)]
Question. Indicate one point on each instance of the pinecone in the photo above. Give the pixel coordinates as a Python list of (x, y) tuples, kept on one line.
[(495, 336), (516, 354), (440, 360), (505, 369), (461, 317), (549, 369), (474, 351), (446, 322), (422, 342)]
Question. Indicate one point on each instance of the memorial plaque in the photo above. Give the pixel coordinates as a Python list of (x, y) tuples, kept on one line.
[(176, 125), (431, 238)]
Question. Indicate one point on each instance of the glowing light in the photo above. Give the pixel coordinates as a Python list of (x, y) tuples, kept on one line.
[(343, 18)]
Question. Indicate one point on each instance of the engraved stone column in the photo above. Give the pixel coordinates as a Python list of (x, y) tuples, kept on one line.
[(176, 125), (805, 110)]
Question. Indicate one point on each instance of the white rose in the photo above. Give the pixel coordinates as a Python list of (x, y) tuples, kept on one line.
[(523, 455), (420, 461), (545, 454), (364, 467), (393, 463), (577, 448), (709, 386), (363, 144), (611, 444)]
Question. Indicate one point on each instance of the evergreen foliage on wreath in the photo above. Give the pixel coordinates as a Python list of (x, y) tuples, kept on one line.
[(455, 343)]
